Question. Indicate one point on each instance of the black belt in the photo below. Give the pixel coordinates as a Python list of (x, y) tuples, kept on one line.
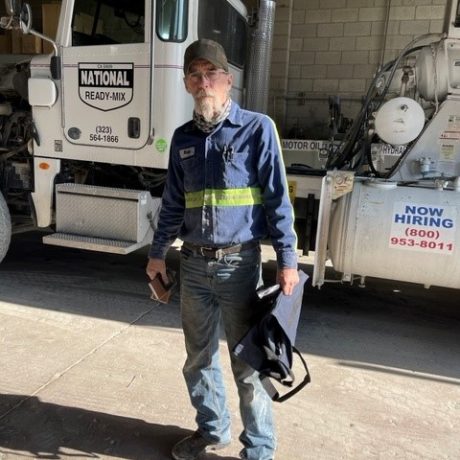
[(217, 252)]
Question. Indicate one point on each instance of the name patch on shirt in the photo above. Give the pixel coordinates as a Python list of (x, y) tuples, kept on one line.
[(187, 153)]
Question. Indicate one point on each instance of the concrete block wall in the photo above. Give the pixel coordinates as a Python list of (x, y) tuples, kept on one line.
[(334, 47)]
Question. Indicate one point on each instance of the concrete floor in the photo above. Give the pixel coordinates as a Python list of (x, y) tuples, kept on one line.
[(91, 368)]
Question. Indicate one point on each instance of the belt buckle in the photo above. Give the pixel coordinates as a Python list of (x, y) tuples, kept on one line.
[(207, 252)]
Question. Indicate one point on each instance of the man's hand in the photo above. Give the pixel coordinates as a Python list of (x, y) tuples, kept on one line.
[(156, 266), (287, 278)]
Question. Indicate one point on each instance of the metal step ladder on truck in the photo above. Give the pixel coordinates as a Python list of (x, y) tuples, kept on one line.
[(387, 195)]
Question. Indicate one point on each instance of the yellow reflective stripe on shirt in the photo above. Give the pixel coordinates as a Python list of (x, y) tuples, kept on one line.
[(224, 197)]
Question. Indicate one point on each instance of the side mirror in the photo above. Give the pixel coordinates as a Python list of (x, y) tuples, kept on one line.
[(19, 13), (25, 18), (13, 7)]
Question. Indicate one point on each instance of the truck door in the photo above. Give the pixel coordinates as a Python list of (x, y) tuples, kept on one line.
[(106, 74)]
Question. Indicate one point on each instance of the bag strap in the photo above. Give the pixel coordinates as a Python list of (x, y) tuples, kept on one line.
[(273, 392)]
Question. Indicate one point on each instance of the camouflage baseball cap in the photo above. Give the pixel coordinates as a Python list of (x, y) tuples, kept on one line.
[(205, 49)]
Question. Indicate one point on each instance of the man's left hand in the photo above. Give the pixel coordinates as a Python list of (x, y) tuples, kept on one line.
[(287, 278)]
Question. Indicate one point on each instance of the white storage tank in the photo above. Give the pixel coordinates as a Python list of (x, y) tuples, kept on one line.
[(397, 232)]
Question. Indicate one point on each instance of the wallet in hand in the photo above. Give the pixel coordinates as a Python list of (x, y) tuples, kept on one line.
[(161, 292)]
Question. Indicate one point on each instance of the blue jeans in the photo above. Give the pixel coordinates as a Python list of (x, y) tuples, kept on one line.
[(210, 290)]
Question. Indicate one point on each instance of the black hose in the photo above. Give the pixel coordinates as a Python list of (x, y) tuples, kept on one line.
[(345, 151), (342, 153)]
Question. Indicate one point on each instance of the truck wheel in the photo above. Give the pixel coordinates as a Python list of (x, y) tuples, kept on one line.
[(5, 227)]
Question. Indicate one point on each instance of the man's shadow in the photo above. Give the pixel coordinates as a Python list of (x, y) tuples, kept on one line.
[(36, 429)]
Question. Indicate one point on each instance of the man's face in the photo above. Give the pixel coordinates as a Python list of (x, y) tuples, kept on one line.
[(209, 86)]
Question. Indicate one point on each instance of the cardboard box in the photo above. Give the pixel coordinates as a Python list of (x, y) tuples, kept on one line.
[(31, 44), (50, 20), (83, 23), (5, 42), (16, 42), (25, 44)]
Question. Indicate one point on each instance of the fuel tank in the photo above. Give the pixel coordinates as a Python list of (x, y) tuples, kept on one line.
[(405, 233)]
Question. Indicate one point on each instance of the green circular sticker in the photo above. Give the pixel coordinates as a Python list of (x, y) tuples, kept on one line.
[(161, 145)]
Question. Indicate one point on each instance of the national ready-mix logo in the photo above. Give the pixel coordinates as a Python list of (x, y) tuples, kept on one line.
[(105, 86)]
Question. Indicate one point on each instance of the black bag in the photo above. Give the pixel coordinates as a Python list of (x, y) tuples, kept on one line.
[(268, 347)]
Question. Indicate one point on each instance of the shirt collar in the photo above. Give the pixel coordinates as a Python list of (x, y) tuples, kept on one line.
[(235, 115)]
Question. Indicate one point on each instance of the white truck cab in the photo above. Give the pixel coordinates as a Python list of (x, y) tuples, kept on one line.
[(104, 106)]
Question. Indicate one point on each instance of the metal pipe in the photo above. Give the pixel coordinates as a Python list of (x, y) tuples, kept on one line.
[(385, 33), (450, 15), (258, 80)]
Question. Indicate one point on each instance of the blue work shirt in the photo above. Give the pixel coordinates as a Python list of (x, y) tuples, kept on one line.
[(227, 187)]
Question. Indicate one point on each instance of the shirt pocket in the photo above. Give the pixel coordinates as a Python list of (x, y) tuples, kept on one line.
[(238, 169), (193, 174)]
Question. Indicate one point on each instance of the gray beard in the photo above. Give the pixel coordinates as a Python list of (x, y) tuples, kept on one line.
[(206, 108), (208, 126)]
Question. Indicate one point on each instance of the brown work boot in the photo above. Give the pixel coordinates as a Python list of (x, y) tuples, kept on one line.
[(192, 446)]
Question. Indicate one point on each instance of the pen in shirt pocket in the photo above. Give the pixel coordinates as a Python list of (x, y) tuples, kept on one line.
[(228, 152)]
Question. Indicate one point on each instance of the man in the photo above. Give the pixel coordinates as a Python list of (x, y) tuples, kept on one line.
[(226, 190)]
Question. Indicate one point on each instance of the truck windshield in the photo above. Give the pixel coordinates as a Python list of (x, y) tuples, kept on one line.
[(171, 20), (106, 22)]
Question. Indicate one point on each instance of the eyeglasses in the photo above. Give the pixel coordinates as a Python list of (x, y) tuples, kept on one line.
[(211, 75)]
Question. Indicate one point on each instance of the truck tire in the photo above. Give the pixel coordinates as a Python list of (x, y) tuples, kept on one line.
[(5, 228)]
